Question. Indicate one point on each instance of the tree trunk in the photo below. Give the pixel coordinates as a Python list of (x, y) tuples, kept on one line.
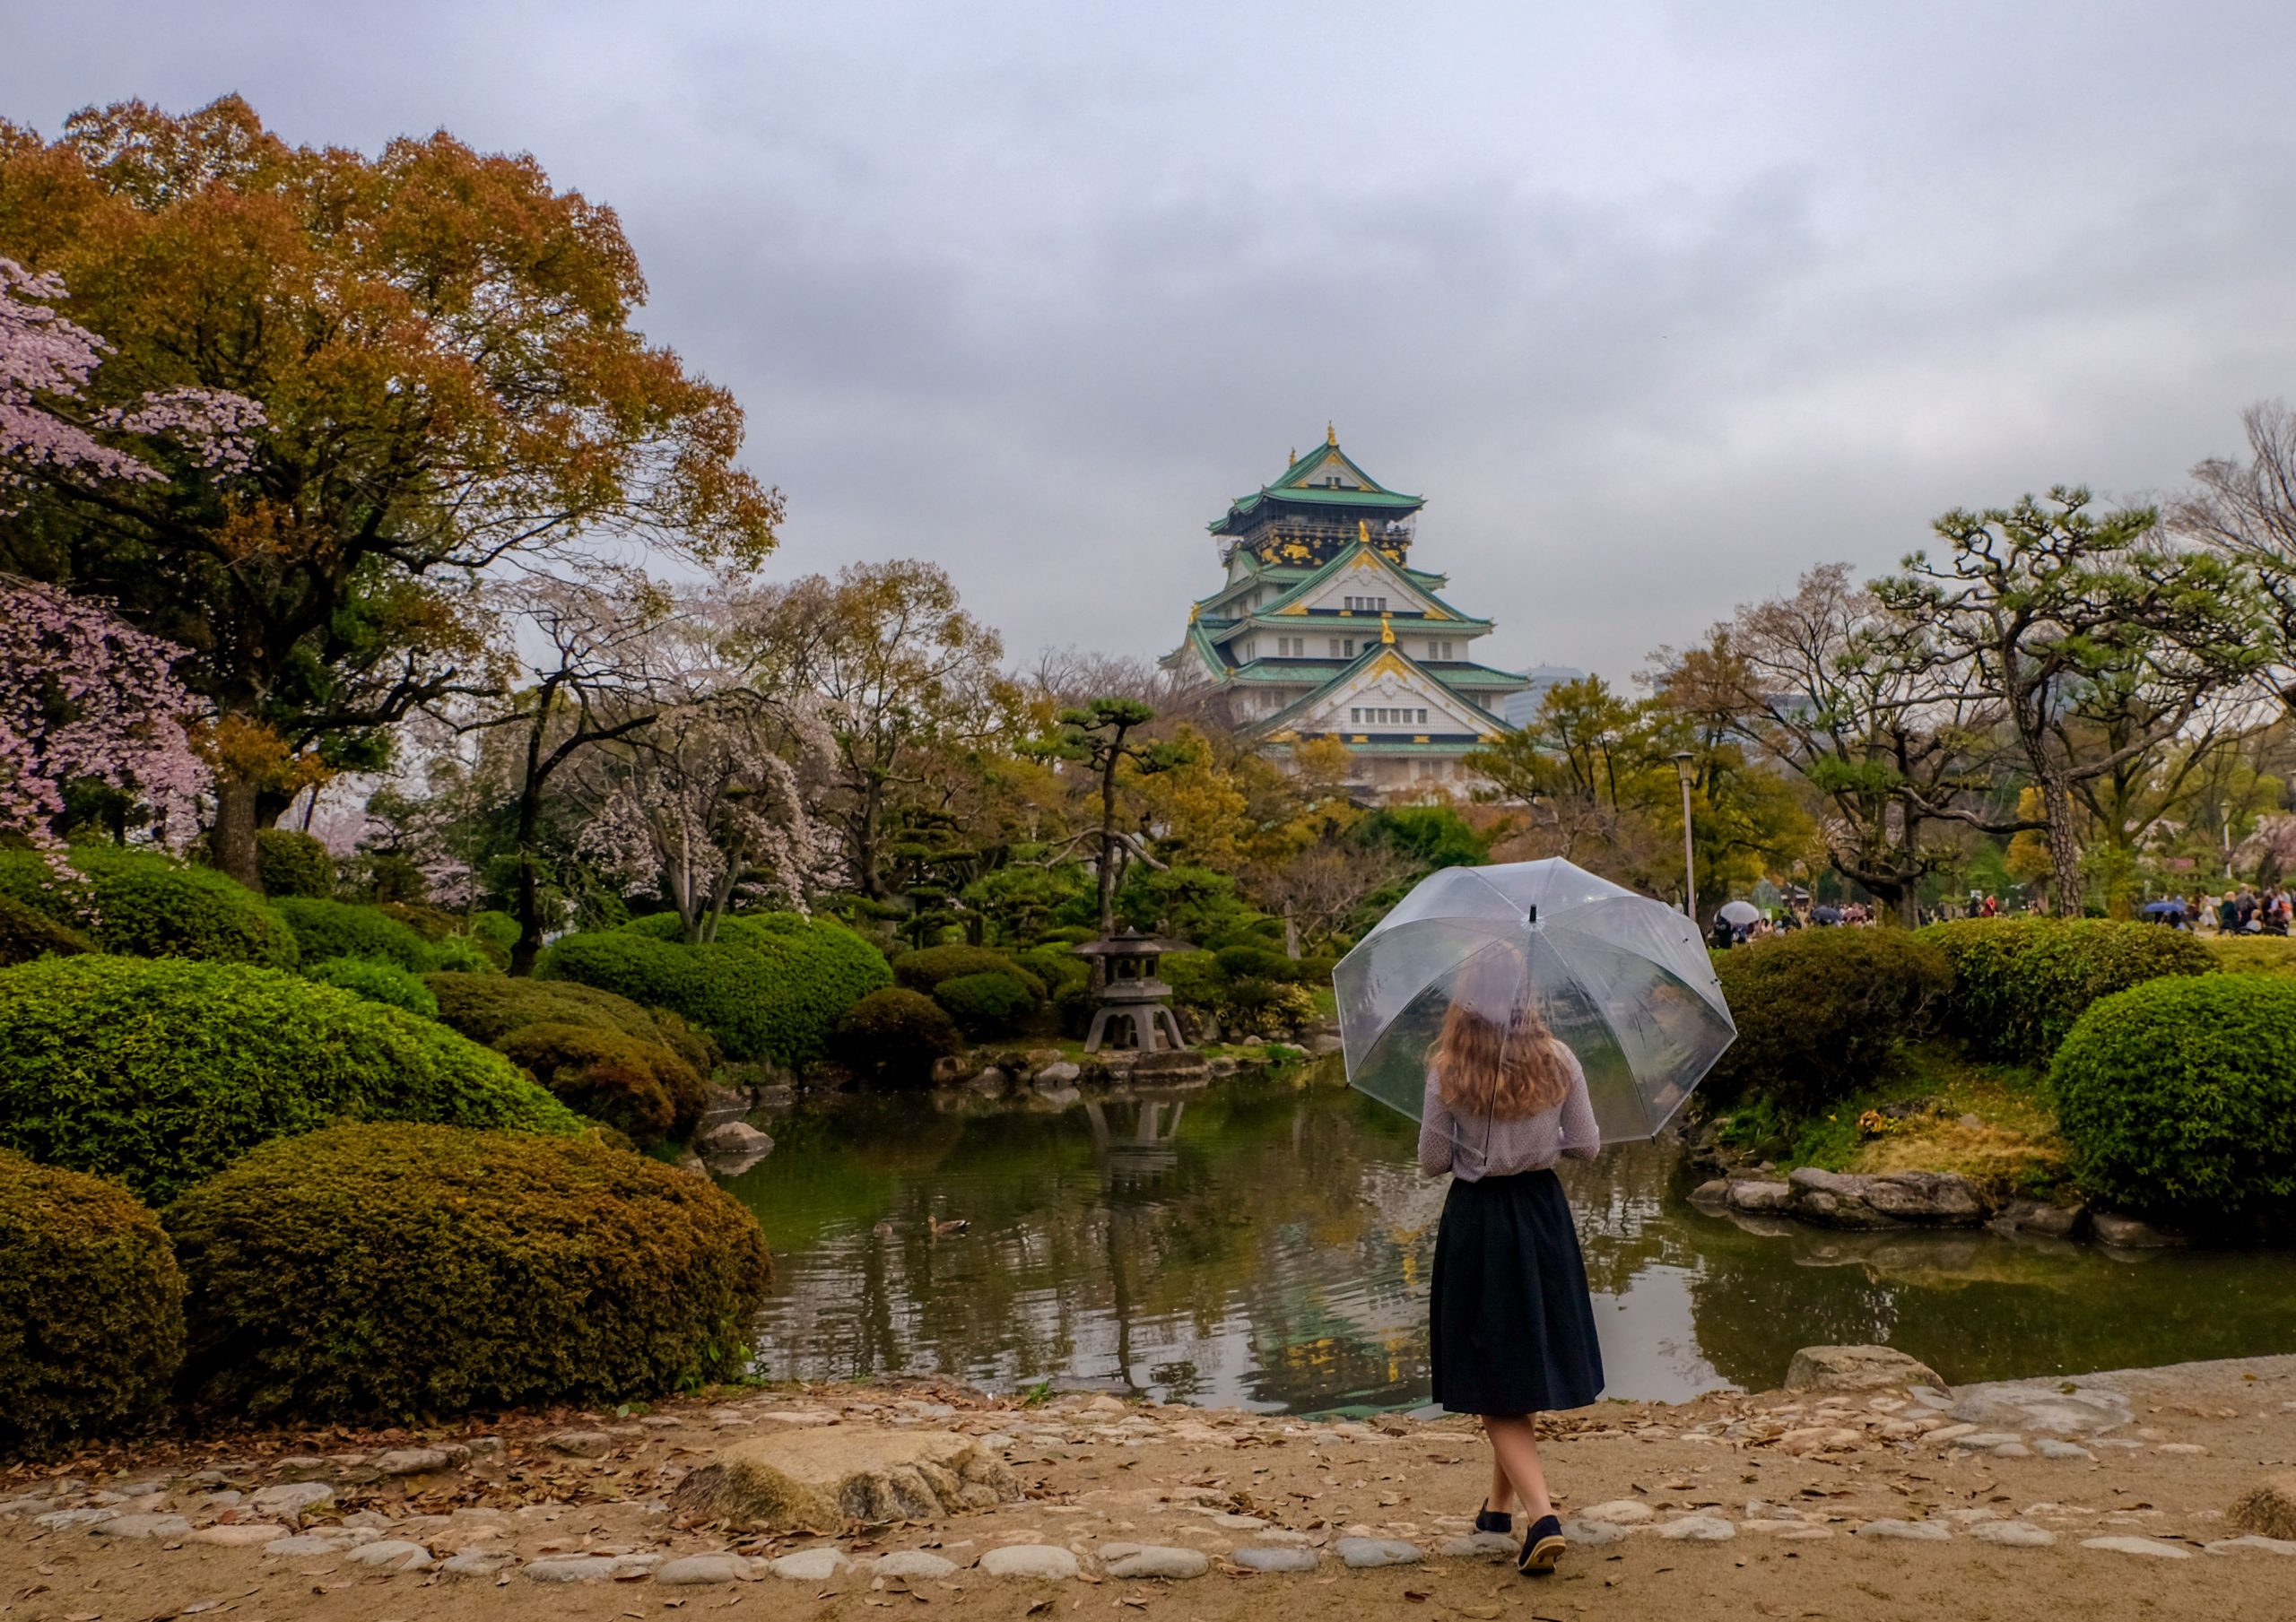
[(528, 945), (2064, 846), (232, 844)]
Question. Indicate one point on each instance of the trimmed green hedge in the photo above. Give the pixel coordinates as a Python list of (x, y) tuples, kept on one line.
[(1056, 966), (26, 934), (2018, 984), (91, 1326), (487, 1008), (160, 1073), (2178, 1097), (894, 1038), (1259, 963), (344, 929), (1822, 1012), (925, 969), (145, 905), (771, 988), (996, 1003), (292, 863), (378, 981), (404, 1271), (638, 1086)]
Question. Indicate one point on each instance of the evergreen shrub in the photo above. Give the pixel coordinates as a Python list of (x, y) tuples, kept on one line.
[(984, 1005), (146, 905), (26, 934), (1274, 1011), (639, 1087), (379, 980), (925, 970), (404, 1271), (459, 955), (2178, 1096), (488, 1008), (160, 1072), (1054, 965), (91, 1326), (292, 863), (2018, 984), (1259, 963), (768, 990), (345, 929), (893, 1036), (1822, 1012)]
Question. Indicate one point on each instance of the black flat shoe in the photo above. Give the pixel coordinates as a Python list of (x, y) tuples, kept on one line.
[(1543, 1546), (1490, 1519)]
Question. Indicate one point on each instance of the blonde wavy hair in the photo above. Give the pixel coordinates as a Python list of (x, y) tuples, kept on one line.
[(1503, 1068)]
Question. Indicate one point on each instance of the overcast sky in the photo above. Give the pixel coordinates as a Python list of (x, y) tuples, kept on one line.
[(1657, 304)]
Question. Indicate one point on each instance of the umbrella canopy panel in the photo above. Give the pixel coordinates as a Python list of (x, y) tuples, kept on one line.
[(1739, 912), (1619, 978)]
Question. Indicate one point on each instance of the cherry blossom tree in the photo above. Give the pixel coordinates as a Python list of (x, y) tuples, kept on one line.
[(84, 701), (707, 803)]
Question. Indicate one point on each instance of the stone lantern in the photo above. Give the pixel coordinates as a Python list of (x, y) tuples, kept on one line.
[(1136, 1007)]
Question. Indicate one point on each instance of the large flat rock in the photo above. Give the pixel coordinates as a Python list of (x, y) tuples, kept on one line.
[(818, 1479), (1856, 1368)]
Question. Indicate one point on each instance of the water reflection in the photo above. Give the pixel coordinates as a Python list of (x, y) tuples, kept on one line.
[(1267, 1244)]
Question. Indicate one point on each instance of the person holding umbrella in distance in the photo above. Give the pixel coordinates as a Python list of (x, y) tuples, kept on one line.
[(1523, 1015)]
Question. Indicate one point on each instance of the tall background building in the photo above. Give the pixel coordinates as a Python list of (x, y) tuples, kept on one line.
[(1324, 629)]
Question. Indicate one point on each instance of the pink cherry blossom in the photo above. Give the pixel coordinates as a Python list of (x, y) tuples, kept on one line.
[(86, 697)]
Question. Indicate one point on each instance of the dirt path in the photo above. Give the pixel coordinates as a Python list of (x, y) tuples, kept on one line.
[(1781, 1484)]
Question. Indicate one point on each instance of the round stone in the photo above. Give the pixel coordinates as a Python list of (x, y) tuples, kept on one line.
[(1042, 1560), (390, 1554), (2150, 1546), (918, 1564), (692, 1569), (1175, 1564), (1362, 1554), (1276, 1560), (1618, 1511), (2013, 1534), (1699, 1528), (1917, 1531), (810, 1565)]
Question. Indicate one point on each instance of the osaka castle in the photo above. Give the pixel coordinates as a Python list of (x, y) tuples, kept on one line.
[(1323, 628)]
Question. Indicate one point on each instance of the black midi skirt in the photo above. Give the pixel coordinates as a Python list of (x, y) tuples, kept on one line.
[(1512, 1328)]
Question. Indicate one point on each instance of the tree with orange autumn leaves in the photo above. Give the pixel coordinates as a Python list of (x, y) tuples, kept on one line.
[(440, 343)]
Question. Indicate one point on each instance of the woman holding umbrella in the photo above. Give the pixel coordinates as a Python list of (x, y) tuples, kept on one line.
[(1511, 1324), (1524, 1014)]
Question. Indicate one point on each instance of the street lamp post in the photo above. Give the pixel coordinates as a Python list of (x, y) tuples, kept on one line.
[(1682, 758)]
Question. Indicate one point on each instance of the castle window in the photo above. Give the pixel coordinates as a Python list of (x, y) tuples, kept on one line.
[(1423, 718)]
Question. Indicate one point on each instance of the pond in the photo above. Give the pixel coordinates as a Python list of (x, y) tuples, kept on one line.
[(1265, 1244)]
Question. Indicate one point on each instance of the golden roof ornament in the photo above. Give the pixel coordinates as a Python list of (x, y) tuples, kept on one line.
[(1386, 631), (1362, 532), (1331, 434)]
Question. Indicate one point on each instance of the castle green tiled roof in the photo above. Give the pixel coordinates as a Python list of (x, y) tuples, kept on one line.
[(1324, 462)]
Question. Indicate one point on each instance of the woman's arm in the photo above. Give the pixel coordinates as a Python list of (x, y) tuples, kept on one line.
[(1434, 1130), (1582, 1140)]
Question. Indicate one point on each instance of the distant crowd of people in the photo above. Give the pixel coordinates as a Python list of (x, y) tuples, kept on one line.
[(2269, 911)]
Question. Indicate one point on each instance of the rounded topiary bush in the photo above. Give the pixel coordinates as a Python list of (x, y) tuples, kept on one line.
[(344, 929), (638, 1086), (145, 905), (771, 988), (398, 1271), (1056, 966), (1270, 1010), (379, 981), (292, 863), (895, 1036), (2178, 1097), (991, 1004), (1822, 1012), (1257, 963), (91, 1325), (26, 934), (2018, 984), (487, 1008), (159, 1073), (924, 970)]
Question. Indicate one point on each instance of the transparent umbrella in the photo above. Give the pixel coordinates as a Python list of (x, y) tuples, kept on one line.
[(1620, 979)]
